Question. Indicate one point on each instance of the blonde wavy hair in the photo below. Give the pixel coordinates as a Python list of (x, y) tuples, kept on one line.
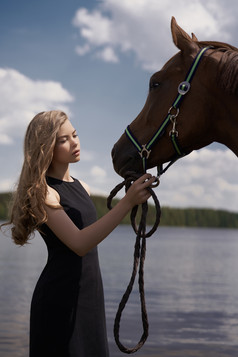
[(27, 208)]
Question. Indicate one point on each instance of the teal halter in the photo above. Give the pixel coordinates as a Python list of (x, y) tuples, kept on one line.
[(145, 150)]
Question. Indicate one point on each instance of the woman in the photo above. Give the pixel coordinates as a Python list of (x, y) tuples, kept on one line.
[(67, 310)]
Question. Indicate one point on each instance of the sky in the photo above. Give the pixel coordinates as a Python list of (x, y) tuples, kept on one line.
[(93, 59)]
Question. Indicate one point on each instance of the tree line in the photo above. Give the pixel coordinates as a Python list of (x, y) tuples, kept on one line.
[(183, 217)]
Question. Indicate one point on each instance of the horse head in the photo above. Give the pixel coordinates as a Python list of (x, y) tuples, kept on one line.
[(200, 119)]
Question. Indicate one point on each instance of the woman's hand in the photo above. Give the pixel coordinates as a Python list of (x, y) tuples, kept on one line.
[(138, 192)]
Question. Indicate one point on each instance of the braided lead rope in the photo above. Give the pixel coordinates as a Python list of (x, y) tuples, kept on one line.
[(139, 259)]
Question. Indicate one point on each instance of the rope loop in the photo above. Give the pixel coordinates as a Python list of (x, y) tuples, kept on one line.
[(139, 259)]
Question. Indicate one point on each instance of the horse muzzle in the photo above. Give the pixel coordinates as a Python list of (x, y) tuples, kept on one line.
[(125, 158)]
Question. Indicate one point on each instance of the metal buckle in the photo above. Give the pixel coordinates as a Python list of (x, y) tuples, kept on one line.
[(173, 115)]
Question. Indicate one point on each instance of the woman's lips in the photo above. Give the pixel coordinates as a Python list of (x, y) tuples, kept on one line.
[(76, 152)]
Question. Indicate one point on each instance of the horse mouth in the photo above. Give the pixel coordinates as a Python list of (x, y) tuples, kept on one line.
[(131, 174), (126, 162), (129, 170)]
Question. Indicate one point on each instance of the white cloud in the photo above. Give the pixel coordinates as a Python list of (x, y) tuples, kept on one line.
[(82, 50), (87, 155), (143, 27), (4, 138), (94, 27), (108, 55), (22, 97), (98, 172), (7, 185), (205, 178)]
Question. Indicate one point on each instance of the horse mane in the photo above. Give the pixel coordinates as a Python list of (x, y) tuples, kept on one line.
[(228, 65)]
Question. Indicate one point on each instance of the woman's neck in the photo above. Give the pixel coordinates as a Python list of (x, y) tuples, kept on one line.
[(61, 173)]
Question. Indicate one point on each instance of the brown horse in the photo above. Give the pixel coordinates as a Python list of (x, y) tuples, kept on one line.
[(208, 112)]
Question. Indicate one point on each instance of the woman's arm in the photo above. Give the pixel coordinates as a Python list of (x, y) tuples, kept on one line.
[(82, 241)]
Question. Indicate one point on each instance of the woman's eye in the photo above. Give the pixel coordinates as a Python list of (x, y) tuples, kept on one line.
[(62, 141)]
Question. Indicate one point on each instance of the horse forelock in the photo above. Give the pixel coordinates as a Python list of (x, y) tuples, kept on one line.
[(228, 66)]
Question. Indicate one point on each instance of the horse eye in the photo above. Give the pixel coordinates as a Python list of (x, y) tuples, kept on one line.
[(154, 85)]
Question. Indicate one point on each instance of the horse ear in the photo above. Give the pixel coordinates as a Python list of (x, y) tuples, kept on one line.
[(194, 38), (181, 39)]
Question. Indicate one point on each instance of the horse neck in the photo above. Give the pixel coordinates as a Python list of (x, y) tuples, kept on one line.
[(227, 129)]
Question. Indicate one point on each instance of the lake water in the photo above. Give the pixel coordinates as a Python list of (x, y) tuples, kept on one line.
[(191, 286)]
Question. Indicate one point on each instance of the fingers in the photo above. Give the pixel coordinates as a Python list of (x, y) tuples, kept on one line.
[(146, 180), (138, 192), (144, 177), (145, 195)]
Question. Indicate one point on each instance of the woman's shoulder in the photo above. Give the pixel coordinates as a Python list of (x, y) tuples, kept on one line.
[(85, 186), (52, 197)]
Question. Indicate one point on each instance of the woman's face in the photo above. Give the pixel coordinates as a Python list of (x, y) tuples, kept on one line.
[(67, 147)]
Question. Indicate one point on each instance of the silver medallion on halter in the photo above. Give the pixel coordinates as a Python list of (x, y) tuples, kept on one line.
[(183, 87)]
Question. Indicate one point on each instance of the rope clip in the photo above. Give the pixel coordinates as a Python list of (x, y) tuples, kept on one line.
[(155, 183), (173, 117), (173, 131)]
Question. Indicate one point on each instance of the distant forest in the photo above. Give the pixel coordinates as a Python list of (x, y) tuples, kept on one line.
[(184, 217)]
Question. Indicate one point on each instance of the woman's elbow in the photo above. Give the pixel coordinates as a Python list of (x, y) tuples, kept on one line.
[(81, 251)]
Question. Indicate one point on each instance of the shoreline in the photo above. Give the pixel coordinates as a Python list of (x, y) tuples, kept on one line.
[(188, 350)]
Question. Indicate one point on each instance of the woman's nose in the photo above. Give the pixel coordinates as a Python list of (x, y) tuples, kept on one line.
[(75, 141)]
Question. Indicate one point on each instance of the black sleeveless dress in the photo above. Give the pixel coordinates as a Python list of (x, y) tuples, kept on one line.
[(67, 309)]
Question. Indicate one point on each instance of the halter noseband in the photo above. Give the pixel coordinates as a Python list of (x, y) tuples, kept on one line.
[(145, 150)]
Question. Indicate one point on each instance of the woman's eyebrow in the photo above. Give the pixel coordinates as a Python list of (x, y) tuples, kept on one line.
[(65, 136)]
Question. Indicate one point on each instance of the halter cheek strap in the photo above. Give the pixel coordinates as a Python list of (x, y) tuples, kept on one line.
[(145, 150)]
